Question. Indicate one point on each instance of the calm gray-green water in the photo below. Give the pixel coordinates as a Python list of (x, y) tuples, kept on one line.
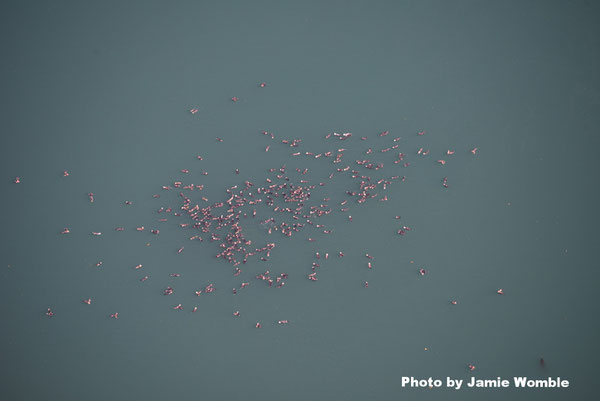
[(104, 90)]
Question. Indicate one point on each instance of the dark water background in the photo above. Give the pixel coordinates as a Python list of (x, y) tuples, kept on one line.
[(103, 89)]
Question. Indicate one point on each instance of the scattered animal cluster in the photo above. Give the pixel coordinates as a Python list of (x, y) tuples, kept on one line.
[(290, 199)]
